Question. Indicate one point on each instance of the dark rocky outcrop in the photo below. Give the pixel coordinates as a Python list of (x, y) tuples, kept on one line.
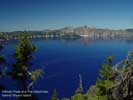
[(124, 89)]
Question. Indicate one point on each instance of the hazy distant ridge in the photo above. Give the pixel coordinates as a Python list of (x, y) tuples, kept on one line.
[(84, 31)]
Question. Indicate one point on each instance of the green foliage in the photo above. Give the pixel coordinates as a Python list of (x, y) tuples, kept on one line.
[(37, 73), (24, 51), (107, 78), (106, 72), (23, 55), (103, 87), (110, 59), (65, 99), (55, 95), (99, 98), (77, 97), (92, 91)]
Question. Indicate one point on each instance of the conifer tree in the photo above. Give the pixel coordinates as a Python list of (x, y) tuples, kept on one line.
[(21, 69), (23, 56), (55, 95), (2, 66), (80, 88), (2, 59)]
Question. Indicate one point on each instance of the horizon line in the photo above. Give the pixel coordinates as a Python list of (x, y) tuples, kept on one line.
[(88, 26)]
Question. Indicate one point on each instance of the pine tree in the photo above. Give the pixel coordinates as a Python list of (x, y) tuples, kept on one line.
[(23, 56), (2, 62), (80, 88), (21, 69), (106, 72), (106, 78), (55, 95), (2, 67)]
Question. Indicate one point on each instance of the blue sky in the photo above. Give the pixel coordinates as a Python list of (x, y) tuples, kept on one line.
[(53, 14)]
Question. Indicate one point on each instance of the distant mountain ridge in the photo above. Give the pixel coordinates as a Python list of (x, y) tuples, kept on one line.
[(92, 31), (83, 31), (78, 30)]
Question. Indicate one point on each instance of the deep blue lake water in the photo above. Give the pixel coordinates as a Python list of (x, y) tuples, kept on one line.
[(64, 60)]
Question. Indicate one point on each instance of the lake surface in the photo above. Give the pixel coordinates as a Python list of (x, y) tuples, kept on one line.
[(64, 60)]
